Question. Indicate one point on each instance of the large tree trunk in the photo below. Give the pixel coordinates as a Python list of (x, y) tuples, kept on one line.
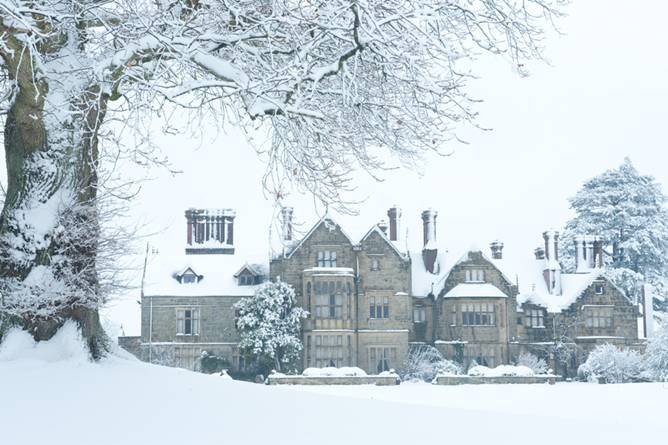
[(49, 226)]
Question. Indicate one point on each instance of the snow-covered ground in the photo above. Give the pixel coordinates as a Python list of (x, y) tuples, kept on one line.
[(51, 394)]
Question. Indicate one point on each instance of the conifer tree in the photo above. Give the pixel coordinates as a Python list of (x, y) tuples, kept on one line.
[(627, 210)]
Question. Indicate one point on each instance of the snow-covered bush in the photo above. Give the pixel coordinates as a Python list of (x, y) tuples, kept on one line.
[(212, 364), (269, 325), (656, 355), (608, 364), (536, 364), (425, 362)]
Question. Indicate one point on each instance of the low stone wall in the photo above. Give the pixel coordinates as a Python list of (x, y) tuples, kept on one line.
[(470, 380), (357, 380)]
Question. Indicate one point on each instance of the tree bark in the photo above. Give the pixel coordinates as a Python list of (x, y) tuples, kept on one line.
[(48, 163)]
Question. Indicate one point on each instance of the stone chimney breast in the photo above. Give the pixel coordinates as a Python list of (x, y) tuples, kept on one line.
[(497, 250)]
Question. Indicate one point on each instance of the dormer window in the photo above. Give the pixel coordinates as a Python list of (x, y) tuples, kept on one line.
[(475, 276), (326, 258), (246, 280), (249, 275), (189, 277)]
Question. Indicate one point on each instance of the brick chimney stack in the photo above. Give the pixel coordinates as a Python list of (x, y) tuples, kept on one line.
[(497, 250), (209, 231), (429, 227), (286, 223), (429, 250), (394, 215)]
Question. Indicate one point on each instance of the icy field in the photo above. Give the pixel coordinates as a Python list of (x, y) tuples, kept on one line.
[(51, 395)]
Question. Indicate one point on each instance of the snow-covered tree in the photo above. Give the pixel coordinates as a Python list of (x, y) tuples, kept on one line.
[(656, 355), (536, 364), (609, 364), (424, 362), (269, 325), (337, 84), (628, 211)]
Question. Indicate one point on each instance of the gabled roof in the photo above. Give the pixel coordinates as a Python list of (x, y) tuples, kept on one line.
[(445, 263), (466, 257), (189, 269), (532, 287), (255, 269), (321, 221), (383, 235)]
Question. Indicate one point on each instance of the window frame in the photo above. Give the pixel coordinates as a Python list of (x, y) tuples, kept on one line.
[(535, 318), (478, 314), (474, 276), (328, 351), (599, 317), (326, 258), (419, 314), (188, 322), (379, 307)]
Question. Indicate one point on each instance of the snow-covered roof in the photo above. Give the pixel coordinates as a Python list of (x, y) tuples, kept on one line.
[(424, 282), (324, 220), (466, 290), (394, 244), (217, 271), (533, 289)]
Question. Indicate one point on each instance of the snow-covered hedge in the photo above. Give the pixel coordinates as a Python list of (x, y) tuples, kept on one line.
[(656, 356), (536, 364), (334, 372), (608, 364), (501, 371), (425, 362)]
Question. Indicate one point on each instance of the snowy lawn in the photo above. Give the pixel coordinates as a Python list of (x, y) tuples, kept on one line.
[(53, 395)]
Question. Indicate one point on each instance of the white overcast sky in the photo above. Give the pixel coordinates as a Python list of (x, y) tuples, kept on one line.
[(603, 97)]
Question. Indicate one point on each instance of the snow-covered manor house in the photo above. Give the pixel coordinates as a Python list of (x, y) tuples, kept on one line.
[(370, 299)]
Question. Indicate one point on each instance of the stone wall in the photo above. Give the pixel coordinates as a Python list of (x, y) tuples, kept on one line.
[(358, 380)]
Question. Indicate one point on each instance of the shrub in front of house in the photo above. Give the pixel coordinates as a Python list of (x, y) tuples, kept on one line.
[(425, 362), (656, 355), (609, 364)]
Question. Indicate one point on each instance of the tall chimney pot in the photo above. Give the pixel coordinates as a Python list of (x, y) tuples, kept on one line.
[(286, 223), (394, 215)]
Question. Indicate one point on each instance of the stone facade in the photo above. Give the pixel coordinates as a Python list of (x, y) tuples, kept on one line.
[(187, 301), (214, 334), (369, 301), (486, 343), (357, 296)]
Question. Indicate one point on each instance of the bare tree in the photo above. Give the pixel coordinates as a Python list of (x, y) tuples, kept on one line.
[(338, 84)]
